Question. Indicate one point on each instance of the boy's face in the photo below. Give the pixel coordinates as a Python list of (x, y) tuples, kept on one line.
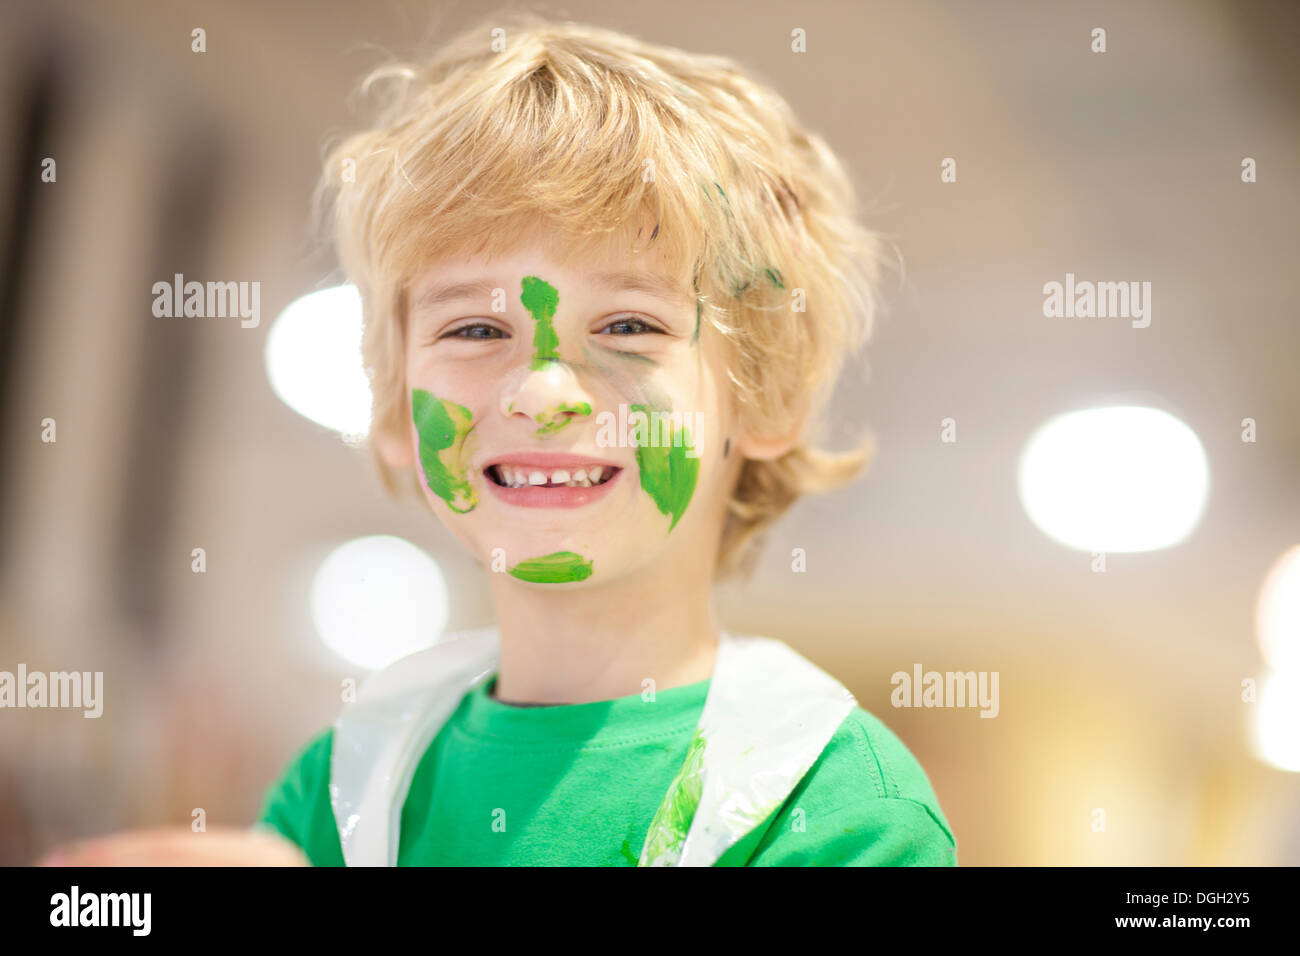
[(568, 424)]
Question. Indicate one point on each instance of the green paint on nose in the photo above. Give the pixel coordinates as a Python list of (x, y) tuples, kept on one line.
[(668, 474), (443, 427), (554, 568), (540, 299), (553, 419)]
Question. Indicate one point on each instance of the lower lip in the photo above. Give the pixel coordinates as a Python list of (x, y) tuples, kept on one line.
[(560, 496)]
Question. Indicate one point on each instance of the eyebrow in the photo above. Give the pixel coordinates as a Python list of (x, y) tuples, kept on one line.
[(438, 294), (647, 283)]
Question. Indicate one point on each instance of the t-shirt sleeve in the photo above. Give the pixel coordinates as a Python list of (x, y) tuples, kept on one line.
[(297, 804), (866, 802)]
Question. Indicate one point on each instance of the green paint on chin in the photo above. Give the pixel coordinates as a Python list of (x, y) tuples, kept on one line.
[(557, 568), (443, 427), (668, 474), (540, 299), (555, 418), (672, 821)]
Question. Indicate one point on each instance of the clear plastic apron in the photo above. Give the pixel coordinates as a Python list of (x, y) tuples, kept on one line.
[(768, 715)]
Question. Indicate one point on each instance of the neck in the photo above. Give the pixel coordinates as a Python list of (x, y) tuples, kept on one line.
[(605, 640)]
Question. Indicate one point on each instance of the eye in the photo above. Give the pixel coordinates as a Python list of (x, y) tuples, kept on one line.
[(629, 325), (475, 330)]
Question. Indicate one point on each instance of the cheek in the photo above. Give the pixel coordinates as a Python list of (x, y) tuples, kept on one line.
[(684, 423), (667, 458), (444, 433)]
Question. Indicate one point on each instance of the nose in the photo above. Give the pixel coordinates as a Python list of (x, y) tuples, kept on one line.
[(550, 395)]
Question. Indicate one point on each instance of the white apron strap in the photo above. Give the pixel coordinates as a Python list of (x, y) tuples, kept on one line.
[(768, 716), (379, 739)]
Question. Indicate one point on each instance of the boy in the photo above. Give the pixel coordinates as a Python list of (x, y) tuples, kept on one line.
[(607, 288)]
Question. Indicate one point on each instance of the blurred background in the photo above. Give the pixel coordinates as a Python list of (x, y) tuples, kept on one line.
[(1154, 680)]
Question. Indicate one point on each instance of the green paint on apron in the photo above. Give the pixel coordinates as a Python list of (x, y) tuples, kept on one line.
[(673, 819)]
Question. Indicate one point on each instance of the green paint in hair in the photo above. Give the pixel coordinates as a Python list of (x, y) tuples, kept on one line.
[(773, 276), (540, 299), (443, 427), (554, 568)]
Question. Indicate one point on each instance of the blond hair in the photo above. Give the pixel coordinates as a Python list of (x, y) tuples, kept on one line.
[(593, 131)]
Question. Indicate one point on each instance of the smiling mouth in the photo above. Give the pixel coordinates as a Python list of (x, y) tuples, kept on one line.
[(523, 476)]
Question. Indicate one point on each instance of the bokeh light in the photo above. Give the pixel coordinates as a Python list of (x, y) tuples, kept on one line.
[(1277, 613), (377, 599), (1114, 479), (1277, 721), (313, 359)]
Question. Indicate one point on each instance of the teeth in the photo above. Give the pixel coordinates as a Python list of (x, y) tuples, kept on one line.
[(520, 478)]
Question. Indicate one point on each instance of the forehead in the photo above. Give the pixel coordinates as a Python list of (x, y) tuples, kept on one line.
[(595, 267)]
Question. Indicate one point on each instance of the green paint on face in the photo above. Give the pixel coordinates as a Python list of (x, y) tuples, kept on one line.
[(696, 337), (443, 427), (626, 358), (672, 821), (540, 299), (775, 277), (668, 474), (554, 568), (553, 419)]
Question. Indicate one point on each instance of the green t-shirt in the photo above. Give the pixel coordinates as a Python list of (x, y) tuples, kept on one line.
[(578, 784)]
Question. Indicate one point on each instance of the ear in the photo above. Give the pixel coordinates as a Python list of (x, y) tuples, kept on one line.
[(766, 447), (396, 450)]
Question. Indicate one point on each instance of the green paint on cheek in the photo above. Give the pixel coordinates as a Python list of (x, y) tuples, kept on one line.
[(540, 299), (554, 568), (696, 337), (668, 474), (553, 419), (672, 821), (443, 427)]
